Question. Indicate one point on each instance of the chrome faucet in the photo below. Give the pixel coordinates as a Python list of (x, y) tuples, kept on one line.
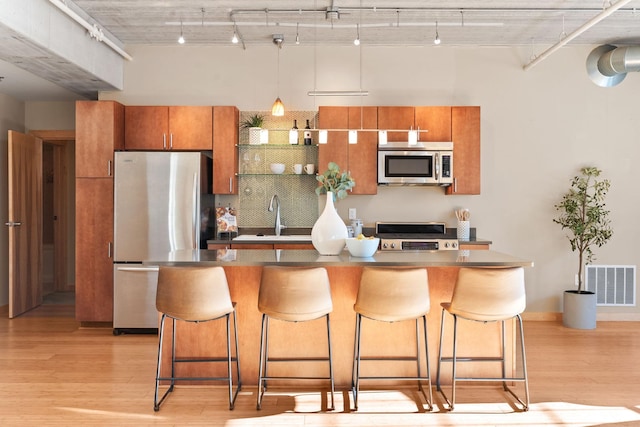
[(278, 226)]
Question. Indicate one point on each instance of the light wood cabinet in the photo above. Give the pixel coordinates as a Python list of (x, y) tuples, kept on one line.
[(94, 243), (99, 132), (465, 133), (359, 159), (436, 121), (433, 122), (225, 150), (168, 128), (399, 118), (363, 156)]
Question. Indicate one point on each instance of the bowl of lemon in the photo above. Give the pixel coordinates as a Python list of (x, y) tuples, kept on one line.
[(362, 246)]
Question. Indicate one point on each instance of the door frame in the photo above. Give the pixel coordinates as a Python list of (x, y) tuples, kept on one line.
[(62, 140)]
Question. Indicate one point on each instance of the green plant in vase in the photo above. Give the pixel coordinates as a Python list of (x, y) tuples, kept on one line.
[(336, 182)]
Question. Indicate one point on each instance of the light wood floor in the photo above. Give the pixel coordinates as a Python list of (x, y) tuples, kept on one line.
[(54, 373)]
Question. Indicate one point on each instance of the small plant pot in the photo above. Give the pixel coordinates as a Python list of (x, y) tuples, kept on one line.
[(579, 310)]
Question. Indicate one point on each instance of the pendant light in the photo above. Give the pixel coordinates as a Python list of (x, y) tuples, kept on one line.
[(278, 106)]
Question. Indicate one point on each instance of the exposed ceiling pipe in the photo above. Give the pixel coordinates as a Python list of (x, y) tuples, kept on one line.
[(593, 21), (608, 65), (93, 30)]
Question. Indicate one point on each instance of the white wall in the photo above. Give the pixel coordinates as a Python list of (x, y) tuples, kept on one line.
[(538, 128)]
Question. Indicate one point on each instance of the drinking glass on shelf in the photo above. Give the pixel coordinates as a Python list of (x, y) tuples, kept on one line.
[(256, 160)]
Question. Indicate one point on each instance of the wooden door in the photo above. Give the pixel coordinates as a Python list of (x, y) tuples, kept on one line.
[(190, 128), (436, 121), (363, 156), (24, 222)]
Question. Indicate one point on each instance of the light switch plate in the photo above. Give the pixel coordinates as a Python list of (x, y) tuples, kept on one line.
[(352, 213)]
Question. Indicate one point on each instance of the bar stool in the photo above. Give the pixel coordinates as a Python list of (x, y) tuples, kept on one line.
[(293, 295), (486, 295), (392, 295), (195, 294)]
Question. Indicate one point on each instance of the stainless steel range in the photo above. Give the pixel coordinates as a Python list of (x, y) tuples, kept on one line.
[(415, 236)]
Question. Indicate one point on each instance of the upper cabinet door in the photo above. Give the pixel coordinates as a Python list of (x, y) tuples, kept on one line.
[(99, 131), (465, 132), (190, 128), (436, 121), (335, 150), (363, 156), (225, 152), (146, 128), (398, 118), (168, 128)]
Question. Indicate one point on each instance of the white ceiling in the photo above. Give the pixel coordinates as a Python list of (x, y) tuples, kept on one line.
[(535, 23)]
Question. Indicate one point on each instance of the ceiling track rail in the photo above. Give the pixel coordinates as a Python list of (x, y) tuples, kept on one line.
[(584, 27)]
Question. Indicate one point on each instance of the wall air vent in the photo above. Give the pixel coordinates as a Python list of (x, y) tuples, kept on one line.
[(614, 285)]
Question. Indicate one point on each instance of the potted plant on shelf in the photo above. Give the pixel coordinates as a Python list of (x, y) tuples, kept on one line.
[(254, 125), (329, 233), (582, 212)]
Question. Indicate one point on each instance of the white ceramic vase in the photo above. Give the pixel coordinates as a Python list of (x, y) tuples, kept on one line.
[(329, 233)]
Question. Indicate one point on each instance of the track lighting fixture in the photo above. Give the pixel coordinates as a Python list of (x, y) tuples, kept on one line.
[(357, 40), (181, 38), (298, 33), (234, 39), (436, 41)]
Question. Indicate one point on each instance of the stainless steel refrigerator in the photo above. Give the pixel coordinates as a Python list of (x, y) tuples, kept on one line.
[(161, 204)]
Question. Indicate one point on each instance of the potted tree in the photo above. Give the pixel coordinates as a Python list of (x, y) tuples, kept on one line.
[(583, 214), (254, 125)]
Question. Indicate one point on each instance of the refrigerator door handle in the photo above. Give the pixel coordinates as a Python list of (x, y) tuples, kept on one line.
[(138, 268), (196, 239)]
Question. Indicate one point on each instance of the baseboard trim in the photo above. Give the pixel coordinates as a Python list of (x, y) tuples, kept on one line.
[(601, 317)]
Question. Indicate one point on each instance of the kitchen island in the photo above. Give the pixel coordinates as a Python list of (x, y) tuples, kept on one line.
[(244, 269)]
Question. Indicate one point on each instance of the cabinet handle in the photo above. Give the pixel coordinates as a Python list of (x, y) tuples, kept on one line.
[(109, 250), (170, 141), (418, 133), (455, 185), (109, 168), (230, 184), (164, 141)]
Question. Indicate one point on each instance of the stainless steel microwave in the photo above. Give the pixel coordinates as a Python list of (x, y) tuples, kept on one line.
[(423, 163)]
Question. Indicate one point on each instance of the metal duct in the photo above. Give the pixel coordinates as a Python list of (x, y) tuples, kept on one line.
[(608, 65)]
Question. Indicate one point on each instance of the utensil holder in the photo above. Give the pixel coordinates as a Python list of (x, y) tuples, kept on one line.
[(463, 230)]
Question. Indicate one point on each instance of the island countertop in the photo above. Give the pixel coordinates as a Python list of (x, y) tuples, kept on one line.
[(283, 257)]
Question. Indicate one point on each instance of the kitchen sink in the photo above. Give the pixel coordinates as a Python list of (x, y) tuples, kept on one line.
[(285, 237)]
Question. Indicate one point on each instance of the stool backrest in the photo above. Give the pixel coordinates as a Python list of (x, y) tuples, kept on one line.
[(295, 294), (488, 294), (193, 293), (393, 294)]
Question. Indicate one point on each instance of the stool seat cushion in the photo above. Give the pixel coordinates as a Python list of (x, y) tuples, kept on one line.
[(295, 294), (393, 294), (488, 294), (193, 293)]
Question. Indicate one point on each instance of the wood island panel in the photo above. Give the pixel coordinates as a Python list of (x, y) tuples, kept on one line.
[(308, 338)]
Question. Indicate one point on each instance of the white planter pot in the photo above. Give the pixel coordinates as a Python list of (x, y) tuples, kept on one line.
[(329, 233), (254, 136), (579, 310)]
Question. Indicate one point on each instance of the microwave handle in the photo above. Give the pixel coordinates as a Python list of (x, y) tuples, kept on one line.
[(437, 159)]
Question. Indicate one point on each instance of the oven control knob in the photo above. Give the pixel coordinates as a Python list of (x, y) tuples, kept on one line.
[(446, 245), (454, 245)]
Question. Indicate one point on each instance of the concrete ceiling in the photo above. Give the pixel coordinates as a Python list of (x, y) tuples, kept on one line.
[(535, 23)]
